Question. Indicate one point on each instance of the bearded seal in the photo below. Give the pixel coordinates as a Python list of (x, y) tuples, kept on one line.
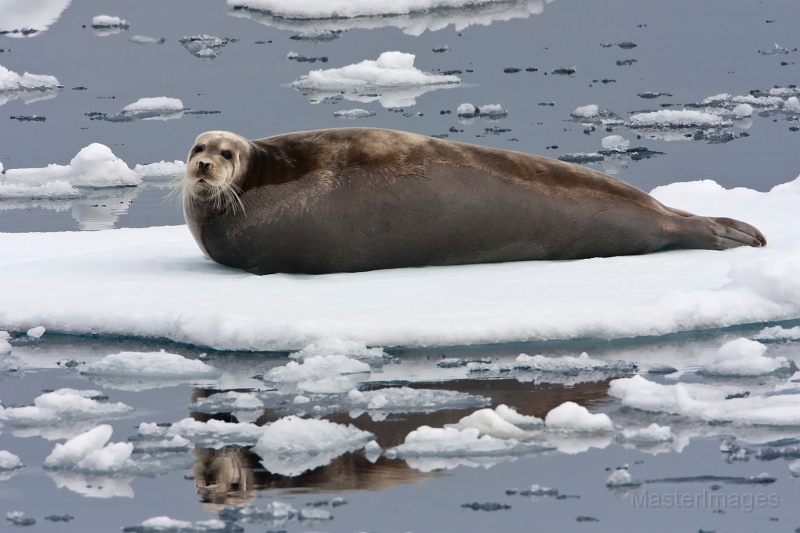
[(356, 199)]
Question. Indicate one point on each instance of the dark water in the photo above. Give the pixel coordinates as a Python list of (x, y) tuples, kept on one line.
[(691, 50)]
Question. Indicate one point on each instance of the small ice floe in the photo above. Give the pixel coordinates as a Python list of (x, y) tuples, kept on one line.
[(615, 143), (292, 445), (229, 402), (467, 112), (5, 346), (621, 477), (150, 364), (90, 453), (408, 400), (586, 111), (392, 79), (708, 403), (156, 108), (564, 369), (347, 348), (353, 113), (213, 433), (94, 166), (673, 118), (63, 406), (499, 423), (274, 513), (652, 434), (18, 518), (743, 357), (592, 114), (574, 418), (165, 524), (205, 46), (413, 18), (428, 448), (28, 19), (161, 171), (321, 373), (778, 333), (777, 50), (28, 87), (9, 461), (104, 25), (36, 332), (143, 39)]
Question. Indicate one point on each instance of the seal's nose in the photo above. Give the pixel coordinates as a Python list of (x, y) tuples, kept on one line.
[(203, 166)]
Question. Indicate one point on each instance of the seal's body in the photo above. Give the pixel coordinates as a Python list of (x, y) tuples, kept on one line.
[(354, 199)]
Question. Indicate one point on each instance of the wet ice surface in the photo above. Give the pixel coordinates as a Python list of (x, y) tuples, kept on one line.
[(679, 431)]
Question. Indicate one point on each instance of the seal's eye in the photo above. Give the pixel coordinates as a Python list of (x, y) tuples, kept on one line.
[(198, 149), (227, 154)]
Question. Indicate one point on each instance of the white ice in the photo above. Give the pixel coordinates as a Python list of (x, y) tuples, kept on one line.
[(673, 118), (62, 406), (353, 113), (144, 282), (413, 17), (744, 357), (28, 87), (407, 399), (616, 143), (778, 333), (160, 169), (154, 108), (94, 166), (586, 111), (571, 417), (652, 434), (159, 524), (9, 461), (150, 365), (392, 77), (36, 15), (90, 452), (292, 445)]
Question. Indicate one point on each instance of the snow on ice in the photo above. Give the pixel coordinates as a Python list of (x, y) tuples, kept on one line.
[(28, 87), (413, 17), (151, 365), (63, 406), (27, 19), (392, 79), (126, 283)]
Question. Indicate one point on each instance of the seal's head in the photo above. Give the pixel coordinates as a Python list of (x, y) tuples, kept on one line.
[(216, 165)]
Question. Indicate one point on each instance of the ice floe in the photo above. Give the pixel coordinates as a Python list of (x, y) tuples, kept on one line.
[(745, 357), (104, 25), (27, 87), (571, 417), (94, 166), (165, 524), (143, 370), (292, 445), (565, 369), (9, 461), (353, 113), (155, 108), (25, 18), (392, 79), (205, 46), (413, 17), (63, 406), (90, 452), (127, 283)]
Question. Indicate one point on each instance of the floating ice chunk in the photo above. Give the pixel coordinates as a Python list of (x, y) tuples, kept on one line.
[(53, 189), (36, 332), (717, 99), (5, 346), (273, 511), (345, 348), (151, 365), (742, 111), (211, 434), (489, 422), (108, 21), (652, 434), (94, 166), (353, 113), (743, 357), (228, 402), (586, 111), (317, 367), (143, 39), (509, 414), (562, 369), (467, 110), (392, 71), (777, 280), (492, 111), (9, 461), (763, 102), (292, 445), (159, 108), (616, 143), (426, 441), (162, 169), (205, 46), (62, 406), (310, 513), (165, 524), (569, 416), (28, 87), (88, 452), (777, 333), (409, 400), (26, 19), (673, 118), (620, 477), (792, 105), (708, 403)]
